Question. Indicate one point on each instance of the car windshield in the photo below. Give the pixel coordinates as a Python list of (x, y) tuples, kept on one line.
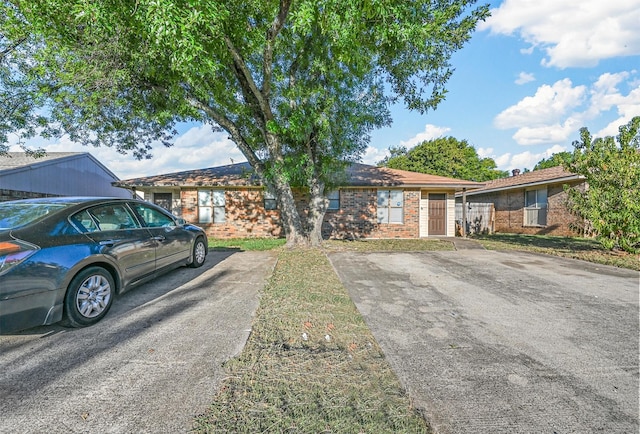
[(13, 215)]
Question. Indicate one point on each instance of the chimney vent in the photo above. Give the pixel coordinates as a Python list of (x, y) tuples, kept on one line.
[(515, 172)]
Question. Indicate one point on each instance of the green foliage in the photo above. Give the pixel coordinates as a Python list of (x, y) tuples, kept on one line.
[(299, 86), (611, 201), (445, 156), (558, 159)]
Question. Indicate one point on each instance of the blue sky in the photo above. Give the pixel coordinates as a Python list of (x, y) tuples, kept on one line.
[(533, 74)]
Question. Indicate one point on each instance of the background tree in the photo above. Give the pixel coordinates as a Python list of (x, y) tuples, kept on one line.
[(611, 201), (557, 159), (297, 85), (19, 95), (444, 156)]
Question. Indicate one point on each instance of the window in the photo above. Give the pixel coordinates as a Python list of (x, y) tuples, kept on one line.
[(211, 205), (390, 206), (270, 200), (107, 217), (535, 207), (152, 217), (334, 200), (163, 200)]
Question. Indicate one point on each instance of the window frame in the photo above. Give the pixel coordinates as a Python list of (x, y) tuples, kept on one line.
[(215, 201), (333, 197), (269, 200), (385, 213), (535, 212)]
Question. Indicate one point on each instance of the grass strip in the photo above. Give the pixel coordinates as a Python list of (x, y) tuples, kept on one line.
[(586, 249), (311, 364)]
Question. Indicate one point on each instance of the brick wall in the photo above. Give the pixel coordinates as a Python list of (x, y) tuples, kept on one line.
[(509, 212), (357, 217)]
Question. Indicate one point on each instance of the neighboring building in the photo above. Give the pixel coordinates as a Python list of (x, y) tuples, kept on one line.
[(374, 202), (56, 174), (530, 203)]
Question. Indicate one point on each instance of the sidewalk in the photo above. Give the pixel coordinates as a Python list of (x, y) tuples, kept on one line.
[(464, 243)]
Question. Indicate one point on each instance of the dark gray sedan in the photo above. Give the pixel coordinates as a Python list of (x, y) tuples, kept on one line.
[(66, 258)]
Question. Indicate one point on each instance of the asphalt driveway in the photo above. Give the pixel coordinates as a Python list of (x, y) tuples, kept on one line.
[(151, 365), (504, 342)]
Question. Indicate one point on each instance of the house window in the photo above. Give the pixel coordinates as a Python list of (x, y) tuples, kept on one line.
[(390, 206), (334, 200), (535, 207), (270, 202), (211, 205), (163, 200)]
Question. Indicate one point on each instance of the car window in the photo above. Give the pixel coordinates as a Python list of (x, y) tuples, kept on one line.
[(154, 218), (13, 215), (109, 217), (84, 221)]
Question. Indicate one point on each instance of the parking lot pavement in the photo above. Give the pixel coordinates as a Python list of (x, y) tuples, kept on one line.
[(151, 365), (505, 342)]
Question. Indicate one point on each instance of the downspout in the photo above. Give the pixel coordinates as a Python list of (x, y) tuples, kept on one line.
[(464, 212)]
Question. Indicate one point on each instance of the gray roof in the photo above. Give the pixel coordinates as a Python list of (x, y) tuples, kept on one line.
[(241, 174), (552, 175), (18, 161)]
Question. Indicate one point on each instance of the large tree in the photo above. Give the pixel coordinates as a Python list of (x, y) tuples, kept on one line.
[(297, 84), (610, 203), (445, 156), (557, 159)]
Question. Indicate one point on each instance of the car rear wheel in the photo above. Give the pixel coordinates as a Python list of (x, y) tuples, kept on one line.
[(89, 297), (199, 253)]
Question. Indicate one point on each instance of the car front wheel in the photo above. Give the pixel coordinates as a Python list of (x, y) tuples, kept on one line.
[(199, 253), (89, 297)]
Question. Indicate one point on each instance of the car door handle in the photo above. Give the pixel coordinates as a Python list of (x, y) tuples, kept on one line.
[(158, 238), (108, 243)]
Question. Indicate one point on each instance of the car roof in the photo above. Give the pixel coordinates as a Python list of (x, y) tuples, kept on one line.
[(70, 200)]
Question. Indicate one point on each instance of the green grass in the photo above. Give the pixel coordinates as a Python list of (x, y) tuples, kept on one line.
[(586, 249), (247, 243), (388, 245), (334, 379)]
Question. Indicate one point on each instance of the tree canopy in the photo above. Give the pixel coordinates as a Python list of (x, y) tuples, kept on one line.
[(445, 156), (557, 159), (610, 203), (297, 85)]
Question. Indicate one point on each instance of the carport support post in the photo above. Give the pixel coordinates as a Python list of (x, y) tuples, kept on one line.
[(464, 212)]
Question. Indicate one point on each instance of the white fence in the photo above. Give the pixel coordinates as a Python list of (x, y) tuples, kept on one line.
[(480, 218)]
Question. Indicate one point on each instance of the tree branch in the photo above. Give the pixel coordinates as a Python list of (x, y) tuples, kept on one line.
[(272, 33)]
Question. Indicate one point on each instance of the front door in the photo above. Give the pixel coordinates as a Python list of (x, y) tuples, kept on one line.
[(437, 214)]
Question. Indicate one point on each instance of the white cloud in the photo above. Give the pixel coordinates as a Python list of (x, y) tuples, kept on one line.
[(430, 132), (547, 105), (374, 155), (522, 160), (556, 113), (525, 77), (198, 148), (571, 32)]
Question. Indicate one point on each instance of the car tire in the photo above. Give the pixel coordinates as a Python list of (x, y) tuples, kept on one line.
[(89, 297), (199, 253)]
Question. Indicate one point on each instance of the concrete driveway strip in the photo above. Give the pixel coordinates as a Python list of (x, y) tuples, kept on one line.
[(150, 366), (505, 342)]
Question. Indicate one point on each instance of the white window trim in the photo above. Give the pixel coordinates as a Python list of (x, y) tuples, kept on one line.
[(212, 206), (537, 208), (389, 207), (334, 200)]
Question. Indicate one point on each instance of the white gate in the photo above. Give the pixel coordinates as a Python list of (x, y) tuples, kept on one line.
[(480, 218)]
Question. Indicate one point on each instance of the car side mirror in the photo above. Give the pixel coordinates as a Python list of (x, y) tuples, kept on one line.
[(181, 221)]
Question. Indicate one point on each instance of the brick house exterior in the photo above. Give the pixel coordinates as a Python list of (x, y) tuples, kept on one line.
[(532, 203), (374, 202)]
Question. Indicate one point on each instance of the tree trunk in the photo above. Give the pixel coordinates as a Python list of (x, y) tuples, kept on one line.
[(318, 204), (291, 222)]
